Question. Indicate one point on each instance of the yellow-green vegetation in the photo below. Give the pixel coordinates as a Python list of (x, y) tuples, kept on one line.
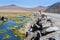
[(22, 30), (18, 34), (2, 31), (1, 21), (17, 20), (12, 15), (15, 14), (13, 28), (1, 24), (6, 36)]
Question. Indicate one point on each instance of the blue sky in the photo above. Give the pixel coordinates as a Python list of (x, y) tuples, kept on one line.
[(28, 3)]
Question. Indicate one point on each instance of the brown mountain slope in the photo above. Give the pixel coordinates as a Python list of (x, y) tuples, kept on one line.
[(55, 8), (38, 8), (17, 8)]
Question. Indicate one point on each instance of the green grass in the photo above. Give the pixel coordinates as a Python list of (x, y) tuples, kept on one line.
[(13, 15), (6, 36), (2, 31), (18, 34)]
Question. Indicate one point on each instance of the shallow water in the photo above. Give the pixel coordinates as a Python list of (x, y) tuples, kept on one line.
[(6, 31), (5, 26)]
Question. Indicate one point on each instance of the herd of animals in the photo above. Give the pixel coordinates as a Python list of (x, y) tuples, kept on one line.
[(39, 27)]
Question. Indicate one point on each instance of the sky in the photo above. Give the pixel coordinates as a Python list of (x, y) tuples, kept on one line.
[(28, 3)]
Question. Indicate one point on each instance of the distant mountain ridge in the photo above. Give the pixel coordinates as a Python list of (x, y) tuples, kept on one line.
[(55, 8), (13, 7)]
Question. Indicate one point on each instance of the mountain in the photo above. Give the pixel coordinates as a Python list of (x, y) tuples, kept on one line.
[(55, 8), (38, 8), (13, 7)]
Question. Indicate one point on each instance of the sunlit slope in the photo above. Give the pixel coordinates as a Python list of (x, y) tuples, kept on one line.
[(55, 17), (15, 14)]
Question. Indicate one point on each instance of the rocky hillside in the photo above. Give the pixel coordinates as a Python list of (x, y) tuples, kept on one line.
[(55, 8)]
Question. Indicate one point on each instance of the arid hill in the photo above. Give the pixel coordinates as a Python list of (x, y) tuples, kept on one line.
[(13, 8), (55, 8)]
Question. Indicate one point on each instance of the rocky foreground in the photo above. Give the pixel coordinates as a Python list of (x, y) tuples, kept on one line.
[(55, 35)]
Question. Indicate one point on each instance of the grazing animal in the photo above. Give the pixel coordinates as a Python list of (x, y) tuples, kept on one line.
[(3, 19)]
